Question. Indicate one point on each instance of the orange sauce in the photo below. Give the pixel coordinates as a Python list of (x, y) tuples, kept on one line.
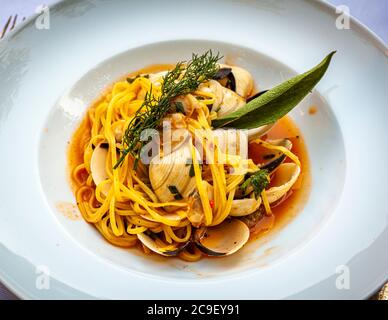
[(286, 210), (69, 210), (312, 110)]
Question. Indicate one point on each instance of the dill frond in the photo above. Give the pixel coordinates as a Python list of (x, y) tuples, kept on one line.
[(183, 79)]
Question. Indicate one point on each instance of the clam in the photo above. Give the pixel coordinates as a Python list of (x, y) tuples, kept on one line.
[(216, 89), (224, 72), (119, 129), (171, 176), (98, 166), (244, 207), (231, 102), (223, 239), (285, 177), (226, 77), (188, 103), (150, 243), (175, 133), (156, 78), (244, 81), (196, 215), (240, 80), (231, 139), (252, 219), (271, 159), (259, 132), (252, 134), (225, 101)]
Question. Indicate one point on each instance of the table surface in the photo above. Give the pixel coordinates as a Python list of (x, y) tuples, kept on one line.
[(372, 13)]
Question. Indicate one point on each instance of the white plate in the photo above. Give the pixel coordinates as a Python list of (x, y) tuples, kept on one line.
[(49, 77)]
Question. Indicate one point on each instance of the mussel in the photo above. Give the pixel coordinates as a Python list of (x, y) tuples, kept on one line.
[(259, 132), (223, 239)]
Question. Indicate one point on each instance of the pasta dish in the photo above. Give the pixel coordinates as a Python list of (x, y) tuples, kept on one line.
[(188, 160)]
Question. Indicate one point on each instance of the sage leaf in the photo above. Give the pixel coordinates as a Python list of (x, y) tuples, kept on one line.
[(276, 102)]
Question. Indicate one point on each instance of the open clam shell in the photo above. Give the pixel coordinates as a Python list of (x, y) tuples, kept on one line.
[(259, 132), (271, 159), (188, 102), (222, 240), (98, 163), (156, 78), (171, 177), (231, 102), (244, 207), (240, 80), (285, 177), (98, 166), (225, 100)]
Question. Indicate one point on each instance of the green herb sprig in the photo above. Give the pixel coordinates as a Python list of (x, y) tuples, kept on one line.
[(175, 192), (258, 181), (183, 79)]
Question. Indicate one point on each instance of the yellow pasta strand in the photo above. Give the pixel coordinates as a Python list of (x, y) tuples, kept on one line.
[(282, 149)]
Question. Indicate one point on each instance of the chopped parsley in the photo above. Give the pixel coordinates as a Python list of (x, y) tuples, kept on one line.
[(258, 180), (130, 80), (192, 172), (174, 191), (179, 107)]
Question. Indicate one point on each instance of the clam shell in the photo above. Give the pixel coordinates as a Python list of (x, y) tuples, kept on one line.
[(244, 207), (243, 80), (173, 170), (285, 177), (279, 157), (98, 167), (224, 239), (151, 244)]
